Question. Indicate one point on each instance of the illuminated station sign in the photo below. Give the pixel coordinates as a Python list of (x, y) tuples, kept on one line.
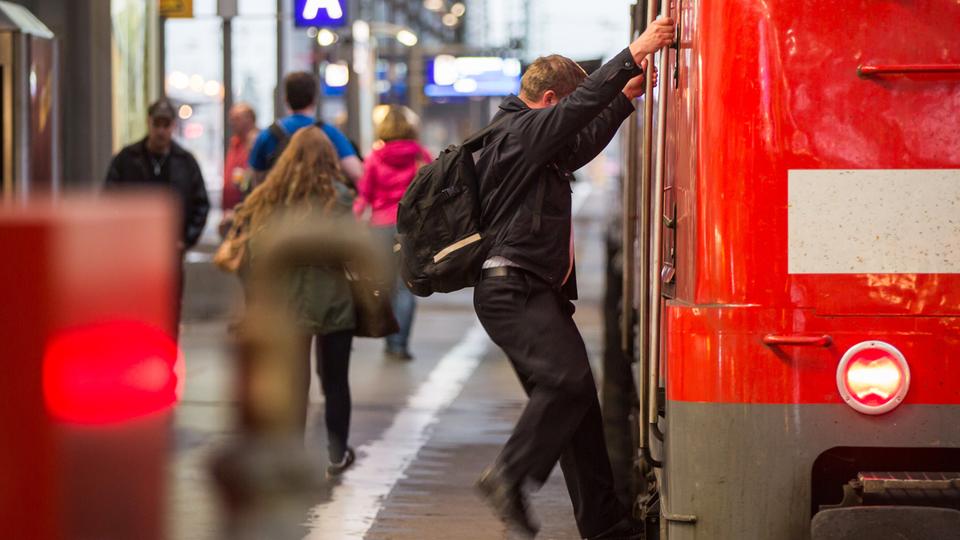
[(449, 76), (320, 13)]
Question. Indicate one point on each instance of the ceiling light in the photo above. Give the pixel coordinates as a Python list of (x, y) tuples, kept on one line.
[(325, 37), (407, 38)]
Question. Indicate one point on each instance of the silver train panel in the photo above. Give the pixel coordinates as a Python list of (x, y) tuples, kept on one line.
[(744, 470)]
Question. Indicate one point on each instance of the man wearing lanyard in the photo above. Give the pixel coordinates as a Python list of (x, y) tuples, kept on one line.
[(156, 161), (560, 121)]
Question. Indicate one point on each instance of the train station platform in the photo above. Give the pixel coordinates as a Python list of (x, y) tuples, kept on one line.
[(423, 430)]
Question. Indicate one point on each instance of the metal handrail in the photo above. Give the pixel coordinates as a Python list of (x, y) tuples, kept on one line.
[(643, 388), (656, 248)]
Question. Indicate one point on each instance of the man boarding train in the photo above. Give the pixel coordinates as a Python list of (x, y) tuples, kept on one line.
[(560, 121)]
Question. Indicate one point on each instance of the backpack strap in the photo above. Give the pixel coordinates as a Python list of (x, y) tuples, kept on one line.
[(475, 141), (278, 132)]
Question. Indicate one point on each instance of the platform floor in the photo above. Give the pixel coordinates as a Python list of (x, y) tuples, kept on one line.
[(423, 430)]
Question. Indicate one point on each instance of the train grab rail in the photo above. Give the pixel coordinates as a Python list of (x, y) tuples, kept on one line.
[(776, 340), (949, 70)]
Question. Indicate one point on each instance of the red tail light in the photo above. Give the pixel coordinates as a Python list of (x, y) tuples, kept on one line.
[(110, 372), (873, 377)]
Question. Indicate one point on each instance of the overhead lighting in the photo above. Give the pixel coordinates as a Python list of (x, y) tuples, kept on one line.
[(361, 31), (178, 80), (196, 83), (433, 5), (326, 37), (211, 88), (458, 9), (337, 75), (450, 19), (407, 38), (185, 112)]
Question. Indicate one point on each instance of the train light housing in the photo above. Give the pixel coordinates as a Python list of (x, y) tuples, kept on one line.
[(873, 377)]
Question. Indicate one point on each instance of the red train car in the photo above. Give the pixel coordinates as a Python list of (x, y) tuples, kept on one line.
[(793, 238)]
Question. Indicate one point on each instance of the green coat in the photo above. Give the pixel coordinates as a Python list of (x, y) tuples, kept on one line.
[(320, 297)]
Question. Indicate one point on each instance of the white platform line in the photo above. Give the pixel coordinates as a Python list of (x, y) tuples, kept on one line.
[(381, 463)]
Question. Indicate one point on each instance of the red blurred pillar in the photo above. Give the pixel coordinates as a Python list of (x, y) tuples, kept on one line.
[(86, 299)]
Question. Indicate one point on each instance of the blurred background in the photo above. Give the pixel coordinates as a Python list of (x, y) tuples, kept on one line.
[(114, 57), (76, 79)]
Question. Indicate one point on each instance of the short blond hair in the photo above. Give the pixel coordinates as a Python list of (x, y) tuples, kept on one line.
[(554, 72), (398, 124)]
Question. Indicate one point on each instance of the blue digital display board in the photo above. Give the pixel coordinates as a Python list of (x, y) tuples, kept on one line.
[(449, 76), (320, 13)]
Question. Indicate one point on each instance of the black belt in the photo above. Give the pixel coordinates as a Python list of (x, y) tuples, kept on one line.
[(503, 271)]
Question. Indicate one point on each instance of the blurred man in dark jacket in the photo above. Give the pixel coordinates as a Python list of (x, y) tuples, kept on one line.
[(157, 162), (560, 121)]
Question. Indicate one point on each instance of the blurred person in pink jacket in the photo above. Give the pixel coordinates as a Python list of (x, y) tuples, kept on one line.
[(387, 172)]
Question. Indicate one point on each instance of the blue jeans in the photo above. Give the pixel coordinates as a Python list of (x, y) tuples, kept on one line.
[(403, 301)]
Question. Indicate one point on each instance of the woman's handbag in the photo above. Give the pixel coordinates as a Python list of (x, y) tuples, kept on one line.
[(371, 300), (232, 250)]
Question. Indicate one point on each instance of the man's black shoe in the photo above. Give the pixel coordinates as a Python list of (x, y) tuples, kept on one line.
[(625, 529), (507, 500)]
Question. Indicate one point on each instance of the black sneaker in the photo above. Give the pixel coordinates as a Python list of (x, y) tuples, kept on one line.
[(625, 529), (508, 501), (336, 469)]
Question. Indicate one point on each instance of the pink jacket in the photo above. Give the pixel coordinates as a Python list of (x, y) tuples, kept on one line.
[(386, 174)]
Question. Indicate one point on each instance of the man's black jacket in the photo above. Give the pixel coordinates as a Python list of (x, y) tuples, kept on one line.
[(526, 164), (131, 168)]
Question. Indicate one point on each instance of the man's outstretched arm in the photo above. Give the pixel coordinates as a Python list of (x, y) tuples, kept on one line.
[(597, 135), (547, 131)]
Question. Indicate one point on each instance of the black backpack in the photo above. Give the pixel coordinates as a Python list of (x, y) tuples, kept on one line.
[(441, 244), (283, 139)]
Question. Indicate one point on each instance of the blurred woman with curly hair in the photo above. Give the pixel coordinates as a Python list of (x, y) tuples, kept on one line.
[(306, 182)]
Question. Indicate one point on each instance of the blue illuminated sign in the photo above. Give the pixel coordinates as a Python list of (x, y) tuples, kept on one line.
[(322, 13), (449, 76)]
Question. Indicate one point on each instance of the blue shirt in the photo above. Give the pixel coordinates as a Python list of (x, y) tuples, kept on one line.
[(266, 143)]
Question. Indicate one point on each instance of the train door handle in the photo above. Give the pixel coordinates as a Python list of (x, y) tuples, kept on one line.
[(778, 340), (668, 274)]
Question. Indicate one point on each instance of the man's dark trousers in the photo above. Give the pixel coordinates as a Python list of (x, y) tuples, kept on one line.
[(533, 323)]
